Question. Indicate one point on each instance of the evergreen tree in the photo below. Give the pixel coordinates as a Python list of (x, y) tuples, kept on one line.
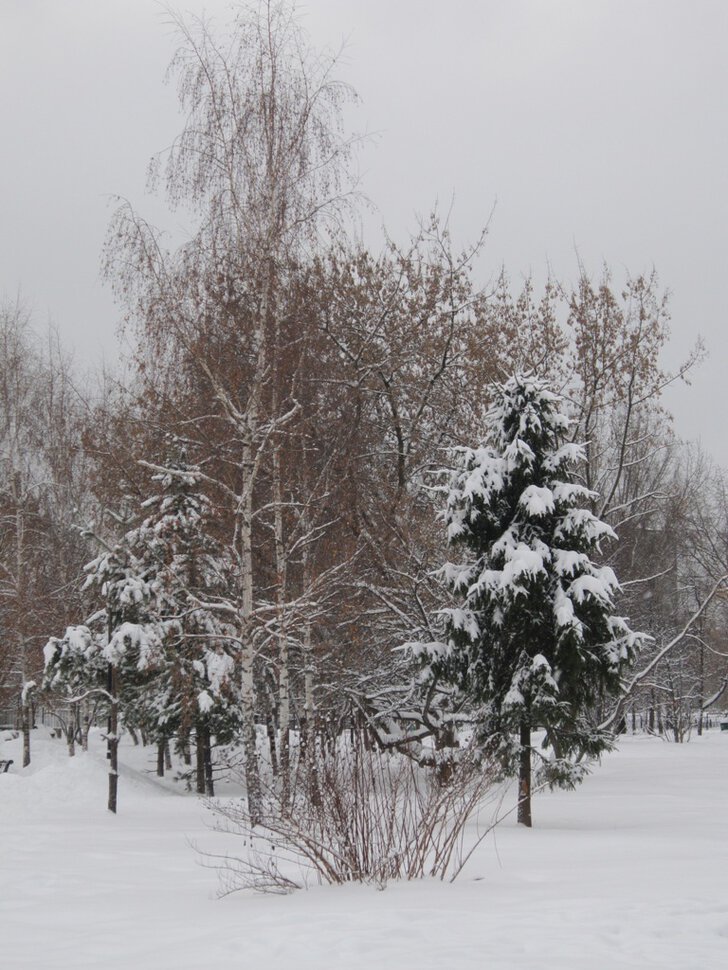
[(195, 687), (116, 653), (535, 643), (156, 647)]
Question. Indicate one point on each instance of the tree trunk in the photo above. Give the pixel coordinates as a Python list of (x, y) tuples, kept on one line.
[(21, 606), (112, 752), (25, 723), (524, 777), (284, 700), (270, 727), (71, 731), (308, 752), (200, 759), (209, 781), (167, 756), (247, 683), (701, 680), (309, 709), (160, 759), (250, 752)]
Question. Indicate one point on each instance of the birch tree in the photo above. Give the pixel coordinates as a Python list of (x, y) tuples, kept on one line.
[(41, 487), (262, 163)]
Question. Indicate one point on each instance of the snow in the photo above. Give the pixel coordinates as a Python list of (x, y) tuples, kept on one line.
[(599, 586), (461, 619), (204, 702), (141, 637), (564, 611), (629, 871), (537, 501), (220, 669)]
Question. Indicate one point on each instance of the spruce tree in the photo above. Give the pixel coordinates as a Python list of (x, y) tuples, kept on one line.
[(156, 646), (195, 687), (535, 642)]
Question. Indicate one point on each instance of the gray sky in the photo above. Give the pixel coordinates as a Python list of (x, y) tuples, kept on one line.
[(597, 125)]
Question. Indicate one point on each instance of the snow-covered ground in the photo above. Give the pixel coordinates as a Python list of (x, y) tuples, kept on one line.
[(629, 871)]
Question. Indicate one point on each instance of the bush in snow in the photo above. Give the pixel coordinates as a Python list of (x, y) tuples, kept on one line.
[(372, 817)]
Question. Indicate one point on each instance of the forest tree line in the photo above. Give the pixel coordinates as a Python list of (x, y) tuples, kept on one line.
[(261, 487)]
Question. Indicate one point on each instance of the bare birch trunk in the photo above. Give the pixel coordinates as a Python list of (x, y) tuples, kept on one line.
[(25, 712), (284, 700), (247, 683), (207, 759), (308, 729), (701, 683), (245, 514), (250, 753), (309, 703)]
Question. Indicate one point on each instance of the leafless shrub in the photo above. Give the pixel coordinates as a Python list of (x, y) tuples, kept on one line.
[(365, 816)]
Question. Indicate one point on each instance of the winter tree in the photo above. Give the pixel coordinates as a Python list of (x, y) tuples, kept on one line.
[(42, 486), (263, 160), (153, 647), (194, 686), (535, 641)]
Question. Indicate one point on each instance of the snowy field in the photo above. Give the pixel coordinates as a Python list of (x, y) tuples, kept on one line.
[(629, 871)]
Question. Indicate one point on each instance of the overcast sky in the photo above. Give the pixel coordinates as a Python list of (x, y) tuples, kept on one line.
[(593, 125)]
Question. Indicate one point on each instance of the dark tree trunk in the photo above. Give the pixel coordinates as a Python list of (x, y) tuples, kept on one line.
[(270, 728), (112, 752), (25, 722), (160, 759), (309, 759), (524, 777), (71, 731), (200, 759)]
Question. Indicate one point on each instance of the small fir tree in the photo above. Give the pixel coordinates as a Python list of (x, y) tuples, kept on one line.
[(196, 686), (535, 643), (155, 648)]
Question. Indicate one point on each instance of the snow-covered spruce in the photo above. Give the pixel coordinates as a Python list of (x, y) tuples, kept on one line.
[(535, 642), (171, 660)]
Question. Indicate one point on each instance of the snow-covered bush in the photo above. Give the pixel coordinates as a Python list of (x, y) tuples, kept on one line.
[(364, 816)]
